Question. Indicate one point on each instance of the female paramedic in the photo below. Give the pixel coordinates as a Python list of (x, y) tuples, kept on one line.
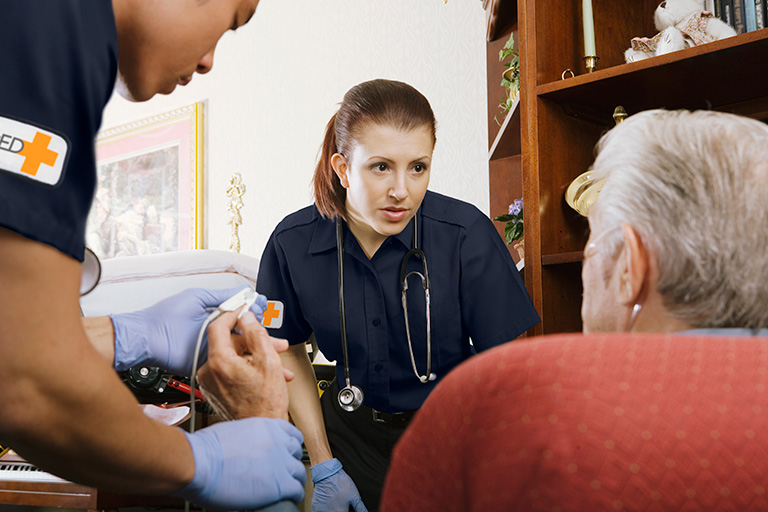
[(393, 280)]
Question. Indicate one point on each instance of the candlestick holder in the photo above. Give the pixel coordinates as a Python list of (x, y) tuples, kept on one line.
[(591, 62), (619, 114)]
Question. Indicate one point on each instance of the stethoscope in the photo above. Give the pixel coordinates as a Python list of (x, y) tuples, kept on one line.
[(351, 397)]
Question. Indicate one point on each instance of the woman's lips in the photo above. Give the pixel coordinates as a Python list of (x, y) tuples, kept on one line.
[(394, 214)]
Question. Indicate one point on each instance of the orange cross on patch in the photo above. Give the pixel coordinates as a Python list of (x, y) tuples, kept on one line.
[(36, 153), (273, 315)]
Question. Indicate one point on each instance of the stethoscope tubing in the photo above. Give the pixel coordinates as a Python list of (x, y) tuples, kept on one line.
[(351, 397), (342, 307)]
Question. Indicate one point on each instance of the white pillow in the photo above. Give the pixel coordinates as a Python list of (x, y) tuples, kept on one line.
[(135, 282)]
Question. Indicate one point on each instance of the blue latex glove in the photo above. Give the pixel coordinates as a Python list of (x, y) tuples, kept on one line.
[(334, 489), (246, 464), (165, 334)]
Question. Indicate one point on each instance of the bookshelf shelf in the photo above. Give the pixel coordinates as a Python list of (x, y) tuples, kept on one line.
[(507, 141), (566, 257), (714, 75)]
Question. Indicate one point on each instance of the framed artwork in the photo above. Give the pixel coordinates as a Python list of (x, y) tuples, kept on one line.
[(149, 190)]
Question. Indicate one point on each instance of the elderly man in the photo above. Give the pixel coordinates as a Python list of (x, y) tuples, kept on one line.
[(665, 418), (680, 225)]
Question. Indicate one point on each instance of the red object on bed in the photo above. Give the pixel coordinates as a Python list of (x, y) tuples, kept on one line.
[(599, 422)]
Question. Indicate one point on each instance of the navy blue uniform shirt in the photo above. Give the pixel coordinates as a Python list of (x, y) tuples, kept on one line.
[(58, 72), (476, 293)]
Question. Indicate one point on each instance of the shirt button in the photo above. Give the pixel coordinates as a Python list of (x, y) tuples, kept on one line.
[(376, 322), (378, 367)]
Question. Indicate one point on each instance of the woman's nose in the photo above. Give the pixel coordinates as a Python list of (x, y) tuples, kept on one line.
[(399, 189)]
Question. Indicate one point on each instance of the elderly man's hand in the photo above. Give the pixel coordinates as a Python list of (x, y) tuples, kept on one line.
[(244, 376), (165, 333)]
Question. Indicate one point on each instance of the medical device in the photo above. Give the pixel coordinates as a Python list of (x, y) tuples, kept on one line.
[(246, 298), (351, 397)]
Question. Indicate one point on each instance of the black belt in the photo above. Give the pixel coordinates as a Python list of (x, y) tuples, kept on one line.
[(398, 419), (394, 418)]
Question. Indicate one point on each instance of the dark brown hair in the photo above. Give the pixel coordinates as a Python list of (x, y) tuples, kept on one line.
[(384, 102)]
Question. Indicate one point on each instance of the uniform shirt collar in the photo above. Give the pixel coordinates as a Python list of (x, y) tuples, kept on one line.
[(324, 234)]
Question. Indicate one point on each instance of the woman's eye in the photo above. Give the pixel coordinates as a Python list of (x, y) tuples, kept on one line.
[(381, 167), (419, 168)]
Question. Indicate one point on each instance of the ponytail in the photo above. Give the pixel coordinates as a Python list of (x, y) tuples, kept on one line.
[(330, 196)]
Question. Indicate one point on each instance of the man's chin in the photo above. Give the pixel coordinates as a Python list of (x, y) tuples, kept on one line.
[(123, 90)]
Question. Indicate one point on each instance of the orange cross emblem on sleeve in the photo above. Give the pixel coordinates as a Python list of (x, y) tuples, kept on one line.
[(36, 153), (271, 313)]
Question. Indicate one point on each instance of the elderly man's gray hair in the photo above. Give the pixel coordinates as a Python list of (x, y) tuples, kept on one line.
[(694, 185)]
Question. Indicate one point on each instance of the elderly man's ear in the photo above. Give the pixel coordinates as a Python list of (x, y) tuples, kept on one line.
[(634, 264)]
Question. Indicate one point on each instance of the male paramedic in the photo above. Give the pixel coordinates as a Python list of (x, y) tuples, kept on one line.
[(62, 407)]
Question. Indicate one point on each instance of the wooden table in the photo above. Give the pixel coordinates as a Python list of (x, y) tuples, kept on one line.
[(21, 483)]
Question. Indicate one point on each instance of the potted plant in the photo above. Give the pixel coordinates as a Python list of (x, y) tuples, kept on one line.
[(510, 79), (513, 230)]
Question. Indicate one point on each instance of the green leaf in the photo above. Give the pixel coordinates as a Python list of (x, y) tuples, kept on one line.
[(503, 218), (517, 231), (508, 233)]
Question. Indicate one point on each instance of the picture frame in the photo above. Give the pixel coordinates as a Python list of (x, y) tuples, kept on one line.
[(149, 193)]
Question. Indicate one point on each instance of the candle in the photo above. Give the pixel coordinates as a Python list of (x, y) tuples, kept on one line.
[(589, 28)]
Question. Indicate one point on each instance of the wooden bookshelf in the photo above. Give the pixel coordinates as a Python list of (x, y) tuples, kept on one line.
[(561, 119), (504, 160)]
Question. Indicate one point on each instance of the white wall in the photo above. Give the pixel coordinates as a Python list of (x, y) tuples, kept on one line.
[(277, 81)]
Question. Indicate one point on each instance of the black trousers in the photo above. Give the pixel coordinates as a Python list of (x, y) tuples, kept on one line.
[(363, 441)]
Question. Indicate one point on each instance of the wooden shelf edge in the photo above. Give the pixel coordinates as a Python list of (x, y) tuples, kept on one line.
[(566, 257), (662, 60), (514, 111), (501, 17)]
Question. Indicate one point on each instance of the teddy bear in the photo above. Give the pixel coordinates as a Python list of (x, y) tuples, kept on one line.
[(681, 24)]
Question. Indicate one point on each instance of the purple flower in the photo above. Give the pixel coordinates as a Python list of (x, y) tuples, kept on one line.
[(516, 207)]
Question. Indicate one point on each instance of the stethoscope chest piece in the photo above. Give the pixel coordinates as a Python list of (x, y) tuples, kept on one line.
[(350, 398)]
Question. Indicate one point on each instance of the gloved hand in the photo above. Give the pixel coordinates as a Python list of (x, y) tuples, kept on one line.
[(165, 334), (334, 489), (246, 464)]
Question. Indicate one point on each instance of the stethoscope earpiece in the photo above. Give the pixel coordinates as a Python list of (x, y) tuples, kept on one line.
[(350, 398)]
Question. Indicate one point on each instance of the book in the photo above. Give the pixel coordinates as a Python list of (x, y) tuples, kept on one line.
[(727, 12), (718, 11), (750, 15), (760, 14), (738, 16)]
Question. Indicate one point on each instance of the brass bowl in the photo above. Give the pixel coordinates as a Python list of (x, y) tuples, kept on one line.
[(582, 192)]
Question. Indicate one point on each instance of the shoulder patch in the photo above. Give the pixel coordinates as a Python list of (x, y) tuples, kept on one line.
[(273, 315), (31, 152)]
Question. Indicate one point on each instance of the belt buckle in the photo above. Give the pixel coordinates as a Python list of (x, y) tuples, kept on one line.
[(378, 416)]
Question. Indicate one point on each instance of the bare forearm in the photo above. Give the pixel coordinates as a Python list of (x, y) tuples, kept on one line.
[(63, 408), (101, 334), (67, 411), (305, 404), (106, 443)]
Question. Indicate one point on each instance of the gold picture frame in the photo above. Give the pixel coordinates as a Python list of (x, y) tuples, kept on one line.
[(149, 195)]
